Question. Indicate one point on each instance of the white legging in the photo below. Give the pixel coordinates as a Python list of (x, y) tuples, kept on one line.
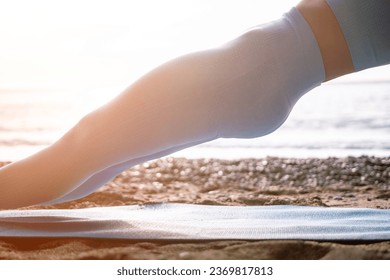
[(243, 89)]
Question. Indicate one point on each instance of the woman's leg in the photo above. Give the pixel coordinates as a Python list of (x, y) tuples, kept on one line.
[(244, 89), (367, 28), (163, 110), (100, 178), (335, 54)]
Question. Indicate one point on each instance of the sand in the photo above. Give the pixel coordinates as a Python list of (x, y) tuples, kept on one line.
[(341, 182)]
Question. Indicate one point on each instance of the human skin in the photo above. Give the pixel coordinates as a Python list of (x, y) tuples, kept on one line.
[(73, 159), (333, 46)]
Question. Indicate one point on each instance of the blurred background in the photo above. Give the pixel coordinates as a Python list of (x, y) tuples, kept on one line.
[(61, 59)]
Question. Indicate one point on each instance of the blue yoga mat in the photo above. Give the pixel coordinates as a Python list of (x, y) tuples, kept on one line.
[(200, 222)]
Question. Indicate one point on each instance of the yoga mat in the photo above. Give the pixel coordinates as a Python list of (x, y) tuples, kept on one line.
[(200, 222)]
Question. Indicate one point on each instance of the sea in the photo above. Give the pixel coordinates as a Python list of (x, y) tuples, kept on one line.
[(333, 120)]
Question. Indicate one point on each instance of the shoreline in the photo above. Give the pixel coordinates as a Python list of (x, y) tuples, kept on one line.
[(213, 151), (332, 182)]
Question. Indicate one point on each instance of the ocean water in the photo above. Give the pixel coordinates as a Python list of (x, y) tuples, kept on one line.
[(345, 119)]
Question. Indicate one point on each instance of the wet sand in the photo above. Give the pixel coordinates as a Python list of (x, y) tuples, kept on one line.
[(341, 182)]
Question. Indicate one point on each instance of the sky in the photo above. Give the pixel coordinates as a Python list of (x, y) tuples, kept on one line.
[(86, 43)]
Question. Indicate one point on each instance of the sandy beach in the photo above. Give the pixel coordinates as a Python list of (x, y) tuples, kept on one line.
[(341, 182)]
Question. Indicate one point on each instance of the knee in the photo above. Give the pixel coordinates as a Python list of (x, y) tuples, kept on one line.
[(80, 138)]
